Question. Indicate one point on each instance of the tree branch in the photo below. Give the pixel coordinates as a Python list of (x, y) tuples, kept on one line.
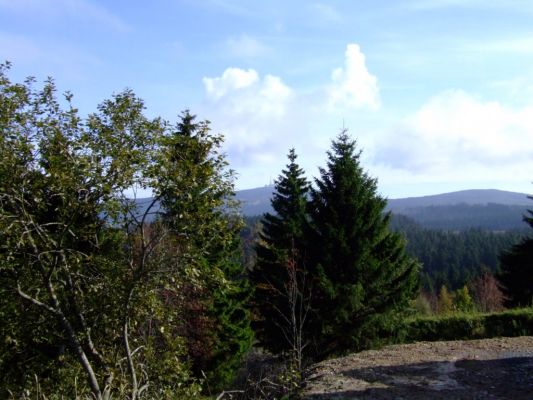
[(36, 302)]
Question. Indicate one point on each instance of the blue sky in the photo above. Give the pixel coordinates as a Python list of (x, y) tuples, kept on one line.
[(438, 93)]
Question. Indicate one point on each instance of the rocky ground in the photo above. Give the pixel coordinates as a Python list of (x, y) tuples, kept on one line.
[(478, 369)]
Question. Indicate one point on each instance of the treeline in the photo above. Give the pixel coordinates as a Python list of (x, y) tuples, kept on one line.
[(449, 258), (454, 258)]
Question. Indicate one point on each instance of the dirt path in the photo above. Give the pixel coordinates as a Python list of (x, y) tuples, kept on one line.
[(479, 369)]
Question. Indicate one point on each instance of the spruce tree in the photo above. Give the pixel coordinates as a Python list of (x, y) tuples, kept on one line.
[(517, 270), (281, 243), (362, 272), (197, 193)]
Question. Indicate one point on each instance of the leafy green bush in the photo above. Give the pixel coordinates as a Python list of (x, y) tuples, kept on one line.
[(518, 322)]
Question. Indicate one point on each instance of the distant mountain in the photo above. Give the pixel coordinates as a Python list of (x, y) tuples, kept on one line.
[(481, 208), (470, 197), (257, 201), (488, 209)]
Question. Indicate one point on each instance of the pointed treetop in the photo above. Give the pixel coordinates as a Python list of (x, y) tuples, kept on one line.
[(186, 126), (344, 146), (292, 155), (342, 158)]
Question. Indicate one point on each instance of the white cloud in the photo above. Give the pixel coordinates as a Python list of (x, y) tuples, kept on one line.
[(273, 96), (80, 9), (251, 110), (233, 79), (262, 116), (247, 47), (241, 91), (454, 140), (456, 137), (353, 86), (518, 88)]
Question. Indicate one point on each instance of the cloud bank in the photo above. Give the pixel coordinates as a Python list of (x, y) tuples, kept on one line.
[(455, 136)]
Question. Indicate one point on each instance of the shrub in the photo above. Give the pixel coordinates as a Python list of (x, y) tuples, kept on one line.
[(518, 322)]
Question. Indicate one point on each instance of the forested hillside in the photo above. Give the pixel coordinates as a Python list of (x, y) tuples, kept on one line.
[(448, 257), (454, 257)]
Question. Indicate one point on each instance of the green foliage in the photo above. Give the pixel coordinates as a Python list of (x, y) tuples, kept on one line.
[(281, 241), (54, 186), (453, 258), (196, 200), (362, 272), (517, 270), (421, 305), (462, 300), (466, 326), (486, 297), (249, 236), (232, 323), (445, 302), (92, 294)]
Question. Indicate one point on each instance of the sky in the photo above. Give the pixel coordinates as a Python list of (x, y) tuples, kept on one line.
[(437, 93)]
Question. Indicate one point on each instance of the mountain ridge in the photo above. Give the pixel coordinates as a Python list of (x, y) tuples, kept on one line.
[(469, 197), (256, 201)]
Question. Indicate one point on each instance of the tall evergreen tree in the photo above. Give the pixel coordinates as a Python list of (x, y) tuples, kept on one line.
[(281, 242), (361, 269), (199, 210), (517, 270)]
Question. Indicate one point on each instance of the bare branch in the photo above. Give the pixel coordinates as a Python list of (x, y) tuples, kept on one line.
[(36, 302), (230, 392)]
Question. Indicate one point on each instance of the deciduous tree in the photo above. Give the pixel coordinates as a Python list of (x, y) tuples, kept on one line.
[(445, 301), (487, 293), (91, 276)]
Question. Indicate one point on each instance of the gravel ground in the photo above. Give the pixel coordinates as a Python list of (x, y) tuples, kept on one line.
[(499, 368)]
